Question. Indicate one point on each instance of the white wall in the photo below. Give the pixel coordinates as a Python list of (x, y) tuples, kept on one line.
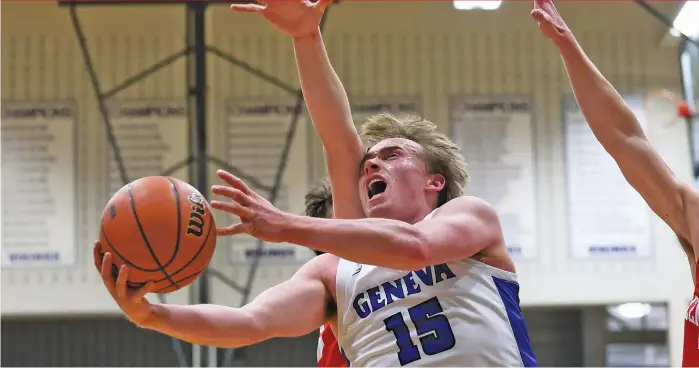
[(427, 50)]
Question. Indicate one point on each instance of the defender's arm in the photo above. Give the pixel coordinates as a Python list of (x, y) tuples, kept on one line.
[(293, 308), (330, 112), (620, 133), (461, 228)]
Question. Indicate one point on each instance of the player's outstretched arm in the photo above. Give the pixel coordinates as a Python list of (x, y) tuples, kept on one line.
[(326, 99), (329, 108), (459, 229), (616, 127), (303, 300)]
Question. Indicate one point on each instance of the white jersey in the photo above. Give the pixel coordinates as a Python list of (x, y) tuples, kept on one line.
[(463, 313)]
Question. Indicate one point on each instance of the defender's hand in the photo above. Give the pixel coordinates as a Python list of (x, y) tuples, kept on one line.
[(296, 18), (550, 22), (258, 217), (132, 302)]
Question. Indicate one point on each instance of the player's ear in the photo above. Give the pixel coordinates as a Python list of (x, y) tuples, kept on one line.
[(436, 183)]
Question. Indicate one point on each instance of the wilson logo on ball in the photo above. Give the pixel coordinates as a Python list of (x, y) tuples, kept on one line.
[(196, 215)]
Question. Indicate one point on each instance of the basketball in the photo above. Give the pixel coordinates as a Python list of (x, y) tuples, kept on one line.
[(163, 229)]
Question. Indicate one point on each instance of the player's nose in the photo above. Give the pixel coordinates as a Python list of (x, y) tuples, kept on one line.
[(370, 166)]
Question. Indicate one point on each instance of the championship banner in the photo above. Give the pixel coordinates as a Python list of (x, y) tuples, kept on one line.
[(256, 133), (607, 218), (496, 136), (39, 185), (399, 106), (152, 137)]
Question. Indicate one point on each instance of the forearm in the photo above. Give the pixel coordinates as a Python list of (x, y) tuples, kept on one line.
[(618, 130), (381, 242), (331, 115), (206, 324), (326, 99), (609, 117)]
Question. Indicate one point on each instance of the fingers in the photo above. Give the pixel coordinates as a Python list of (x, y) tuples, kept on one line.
[(247, 8), (234, 208), (322, 4), (140, 293), (318, 4), (232, 193), (121, 282), (97, 255), (235, 229), (106, 271), (546, 23), (233, 181)]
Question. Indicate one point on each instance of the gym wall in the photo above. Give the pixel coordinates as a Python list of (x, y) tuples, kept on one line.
[(425, 54)]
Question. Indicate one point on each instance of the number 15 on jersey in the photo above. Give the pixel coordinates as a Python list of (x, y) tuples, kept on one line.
[(431, 325)]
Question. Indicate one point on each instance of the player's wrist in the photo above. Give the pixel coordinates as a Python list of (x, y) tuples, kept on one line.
[(152, 317), (295, 228), (311, 36), (568, 46)]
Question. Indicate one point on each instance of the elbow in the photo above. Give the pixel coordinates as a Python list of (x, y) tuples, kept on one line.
[(419, 253), (251, 332)]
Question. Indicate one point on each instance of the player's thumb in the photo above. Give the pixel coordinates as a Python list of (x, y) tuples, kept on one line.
[(538, 15), (147, 289), (545, 22), (322, 4)]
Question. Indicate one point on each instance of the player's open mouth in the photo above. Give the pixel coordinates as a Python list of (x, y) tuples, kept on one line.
[(376, 187)]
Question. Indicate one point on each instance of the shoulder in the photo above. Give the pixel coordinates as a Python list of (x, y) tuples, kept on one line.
[(474, 215), (320, 266), (468, 206), (323, 268), (690, 213)]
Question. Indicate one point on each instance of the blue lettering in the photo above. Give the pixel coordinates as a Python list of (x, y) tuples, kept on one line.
[(33, 257), (377, 302), (442, 269), (425, 275), (362, 308), (377, 297), (393, 291), (410, 284)]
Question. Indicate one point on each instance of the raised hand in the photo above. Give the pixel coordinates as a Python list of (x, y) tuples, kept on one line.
[(296, 18), (132, 302), (258, 217), (550, 22)]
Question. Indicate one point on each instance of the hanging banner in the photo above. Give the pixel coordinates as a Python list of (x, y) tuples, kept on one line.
[(39, 185), (399, 106), (152, 138), (256, 135), (362, 108), (496, 136), (606, 216)]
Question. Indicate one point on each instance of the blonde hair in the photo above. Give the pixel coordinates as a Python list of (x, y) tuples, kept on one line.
[(442, 156)]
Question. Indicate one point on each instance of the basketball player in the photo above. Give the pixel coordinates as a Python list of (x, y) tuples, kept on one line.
[(319, 202), (620, 133), (461, 283), (426, 280)]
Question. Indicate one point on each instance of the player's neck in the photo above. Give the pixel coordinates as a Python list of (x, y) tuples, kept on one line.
[(415, 216)]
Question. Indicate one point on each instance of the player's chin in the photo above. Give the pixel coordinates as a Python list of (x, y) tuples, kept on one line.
[(377, 207)]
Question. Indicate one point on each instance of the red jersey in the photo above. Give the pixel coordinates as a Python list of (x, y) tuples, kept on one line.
[(329, 353), (690, 354)]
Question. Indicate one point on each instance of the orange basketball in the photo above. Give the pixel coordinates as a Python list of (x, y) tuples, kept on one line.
[(163, 229)]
